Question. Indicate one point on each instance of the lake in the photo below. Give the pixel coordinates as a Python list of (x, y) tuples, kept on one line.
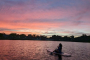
[(36, 50)]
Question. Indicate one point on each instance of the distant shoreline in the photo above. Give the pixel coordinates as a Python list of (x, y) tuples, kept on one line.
[(14, 36)]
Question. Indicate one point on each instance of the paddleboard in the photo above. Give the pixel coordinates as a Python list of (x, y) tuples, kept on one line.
[(62, 54)]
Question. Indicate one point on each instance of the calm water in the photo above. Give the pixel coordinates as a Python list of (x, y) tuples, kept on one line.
[(36, 50)]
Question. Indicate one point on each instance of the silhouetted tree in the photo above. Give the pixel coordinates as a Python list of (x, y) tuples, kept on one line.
[(56, 37), (2, 35), (14, 36), (29, 37), (72, 38), (43, 37), (22, 36)]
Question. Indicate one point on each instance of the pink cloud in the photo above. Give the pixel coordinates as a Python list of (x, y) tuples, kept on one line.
[(25, 14), (35, 25)]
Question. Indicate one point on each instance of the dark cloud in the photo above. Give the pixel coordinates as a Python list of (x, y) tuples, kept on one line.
[(76, 33), (5, 29), (40, 21), (82, 9)]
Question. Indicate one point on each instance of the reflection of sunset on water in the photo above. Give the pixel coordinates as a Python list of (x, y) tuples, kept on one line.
[(36, 50)]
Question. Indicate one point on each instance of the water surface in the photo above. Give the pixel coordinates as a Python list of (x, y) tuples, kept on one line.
[(36, 50)]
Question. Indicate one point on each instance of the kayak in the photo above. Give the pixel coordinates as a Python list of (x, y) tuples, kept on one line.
[(62, 53)]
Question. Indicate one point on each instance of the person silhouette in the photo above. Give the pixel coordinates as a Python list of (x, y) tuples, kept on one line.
[(59, 49)]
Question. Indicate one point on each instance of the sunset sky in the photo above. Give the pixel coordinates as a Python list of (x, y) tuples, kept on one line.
[(45, 17)]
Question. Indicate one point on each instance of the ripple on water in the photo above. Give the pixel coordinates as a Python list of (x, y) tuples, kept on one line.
[(36, 50)]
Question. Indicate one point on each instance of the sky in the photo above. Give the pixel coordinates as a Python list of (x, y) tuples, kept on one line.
[(45, 17)]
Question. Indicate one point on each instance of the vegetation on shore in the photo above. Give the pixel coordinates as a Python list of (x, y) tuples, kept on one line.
[(14, 36)]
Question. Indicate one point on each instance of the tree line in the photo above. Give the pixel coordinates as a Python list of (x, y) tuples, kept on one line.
[(14, 36)]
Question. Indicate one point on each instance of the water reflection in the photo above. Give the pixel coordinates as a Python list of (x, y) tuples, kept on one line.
[(59, 57), (36, 50)]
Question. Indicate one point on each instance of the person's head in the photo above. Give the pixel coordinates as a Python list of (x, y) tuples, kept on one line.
[(60, 44)]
